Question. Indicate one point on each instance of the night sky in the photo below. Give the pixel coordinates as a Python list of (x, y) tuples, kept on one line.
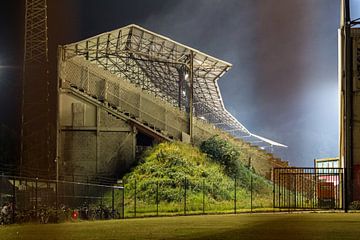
[(283, 84)]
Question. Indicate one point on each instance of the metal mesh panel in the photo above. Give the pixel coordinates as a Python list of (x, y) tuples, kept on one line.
[(308, 188), (30, 199)]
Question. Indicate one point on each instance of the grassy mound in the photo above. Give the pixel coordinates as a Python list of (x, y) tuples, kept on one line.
[(172, 166), (172, 178)]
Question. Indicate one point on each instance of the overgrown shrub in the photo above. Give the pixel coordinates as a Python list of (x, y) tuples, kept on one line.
[(227, 155), (224, 153)]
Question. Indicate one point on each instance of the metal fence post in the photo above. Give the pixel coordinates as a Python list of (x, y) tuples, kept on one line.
[(57, 200), (73, 191), (251, 193), (273, 179), (36, 197), (123, 200), (203, 191), (13, 202), (185, 196), (235, 200), (157, 198), (135, 199), (113, 201)]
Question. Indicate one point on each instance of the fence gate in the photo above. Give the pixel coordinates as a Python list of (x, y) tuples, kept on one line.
[(308, 188)]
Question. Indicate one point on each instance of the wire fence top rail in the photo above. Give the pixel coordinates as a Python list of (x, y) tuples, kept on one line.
[(60, 181)]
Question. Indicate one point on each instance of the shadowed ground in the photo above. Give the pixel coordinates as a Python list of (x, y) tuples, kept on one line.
[(243, 226)]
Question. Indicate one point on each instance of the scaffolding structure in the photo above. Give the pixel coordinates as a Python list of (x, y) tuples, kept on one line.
[(178, 74)]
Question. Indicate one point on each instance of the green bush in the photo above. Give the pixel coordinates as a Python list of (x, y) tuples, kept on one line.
[(227, 155), (224, 153)]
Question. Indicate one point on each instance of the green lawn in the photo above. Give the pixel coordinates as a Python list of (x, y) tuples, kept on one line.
[(242, 226)]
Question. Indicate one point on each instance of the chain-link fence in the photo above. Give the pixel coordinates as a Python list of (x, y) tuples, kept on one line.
[(39, 200)]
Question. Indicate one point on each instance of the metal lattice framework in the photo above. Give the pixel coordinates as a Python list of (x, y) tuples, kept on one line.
[(161, 66), (36, 36), (35, 131)]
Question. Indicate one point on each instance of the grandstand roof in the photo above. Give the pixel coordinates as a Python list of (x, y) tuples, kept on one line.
[(159, 65)]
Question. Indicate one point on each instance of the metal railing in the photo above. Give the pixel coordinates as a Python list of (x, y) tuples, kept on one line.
[(308, 188), (188, 196), (32, 199)]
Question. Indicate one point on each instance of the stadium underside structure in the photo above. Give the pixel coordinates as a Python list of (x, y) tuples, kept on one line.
[(123, 90)]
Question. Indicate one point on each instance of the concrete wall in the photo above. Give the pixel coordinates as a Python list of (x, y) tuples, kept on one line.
[(92, 141)]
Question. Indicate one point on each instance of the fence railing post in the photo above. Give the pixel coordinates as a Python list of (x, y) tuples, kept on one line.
[(113, 202), (235, 200), (13, 201), (57, 200), (185, 183), (135, 199), (157, 198), (251, 193), (36, 197), (123, 199), (203, 192), (273, 179), (73, 200)]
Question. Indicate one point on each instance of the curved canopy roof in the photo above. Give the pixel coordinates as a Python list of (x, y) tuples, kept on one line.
[(160, 65)]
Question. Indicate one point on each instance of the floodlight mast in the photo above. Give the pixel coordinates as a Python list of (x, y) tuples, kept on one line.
[(35, 112)]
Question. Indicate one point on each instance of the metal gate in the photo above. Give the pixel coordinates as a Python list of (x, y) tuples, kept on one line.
[(308, 188)]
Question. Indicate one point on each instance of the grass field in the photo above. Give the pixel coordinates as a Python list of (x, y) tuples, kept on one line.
[(242, 226)]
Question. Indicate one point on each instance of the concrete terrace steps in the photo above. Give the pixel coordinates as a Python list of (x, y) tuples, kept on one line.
[(119, 113)]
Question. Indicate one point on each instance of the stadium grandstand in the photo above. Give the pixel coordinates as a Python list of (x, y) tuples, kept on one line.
[(124, 90)]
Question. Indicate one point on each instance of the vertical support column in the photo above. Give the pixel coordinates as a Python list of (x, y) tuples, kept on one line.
[(140, 103), (191, 96), (134, 132), (348, 105), (180, 83), (98, 112)]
